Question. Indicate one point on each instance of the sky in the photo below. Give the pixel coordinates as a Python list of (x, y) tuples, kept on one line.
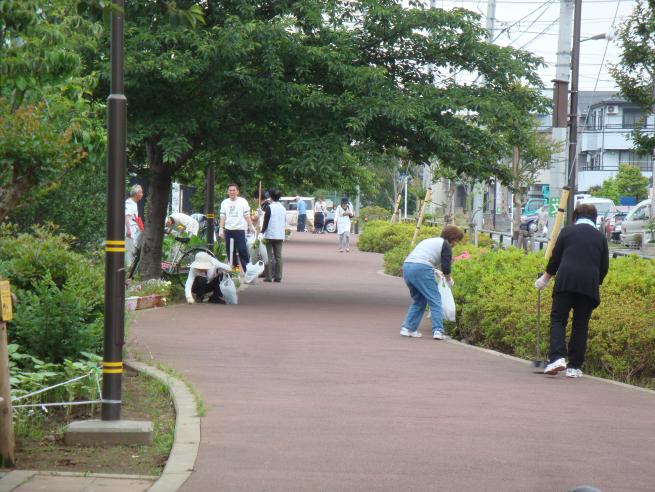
[(533, 25)]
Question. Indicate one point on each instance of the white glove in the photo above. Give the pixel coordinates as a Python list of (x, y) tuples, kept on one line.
[(438, 273), (541, 282), (189, 300), (221, 233), (260, 236)]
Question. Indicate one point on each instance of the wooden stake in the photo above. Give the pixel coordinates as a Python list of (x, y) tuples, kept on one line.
[(559, 218), (396, 209), (420, 217), (7, 443)]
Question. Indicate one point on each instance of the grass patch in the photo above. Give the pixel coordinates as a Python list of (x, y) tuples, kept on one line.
[(40, 445)]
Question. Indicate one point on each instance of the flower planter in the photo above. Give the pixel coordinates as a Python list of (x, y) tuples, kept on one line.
[(145, 302)]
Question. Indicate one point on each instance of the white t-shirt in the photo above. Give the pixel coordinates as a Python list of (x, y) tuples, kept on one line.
[(343, 219), (132, 210), (184, 223), (235, 212)]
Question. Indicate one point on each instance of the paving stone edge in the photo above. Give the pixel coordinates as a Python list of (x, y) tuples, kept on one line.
[(183, 454)]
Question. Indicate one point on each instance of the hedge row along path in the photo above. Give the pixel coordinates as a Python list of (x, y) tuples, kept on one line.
[(308, 386)]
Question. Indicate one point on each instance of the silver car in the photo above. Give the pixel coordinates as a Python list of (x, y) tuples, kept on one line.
[(635, 226)]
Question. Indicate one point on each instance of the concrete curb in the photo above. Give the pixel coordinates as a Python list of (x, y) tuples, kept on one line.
[(183, 455)]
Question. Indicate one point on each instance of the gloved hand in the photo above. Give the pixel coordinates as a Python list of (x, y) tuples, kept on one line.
[(189, 300), (541, 282), (260, 236), (221, 233)]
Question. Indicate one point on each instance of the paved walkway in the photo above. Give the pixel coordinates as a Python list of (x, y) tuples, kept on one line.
[(308, 386)]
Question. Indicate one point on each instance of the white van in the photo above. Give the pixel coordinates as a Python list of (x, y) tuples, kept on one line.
[(604, 206), (635, 226), (291, 205)]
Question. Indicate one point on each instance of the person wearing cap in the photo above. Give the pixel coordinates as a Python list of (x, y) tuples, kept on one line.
[(418, 274), (235, 221), (343, 215), (179, 224), (204, 277), (580, 260), (302, 214)]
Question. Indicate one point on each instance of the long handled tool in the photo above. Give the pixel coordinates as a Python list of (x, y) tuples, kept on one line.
[(539, 363)]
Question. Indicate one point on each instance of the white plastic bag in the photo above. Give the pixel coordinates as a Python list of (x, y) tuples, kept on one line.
[(253, 270), (447, 301), (229, 290)]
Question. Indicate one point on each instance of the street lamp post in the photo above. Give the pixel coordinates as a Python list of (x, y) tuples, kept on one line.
[(573, 112), (112, 365)]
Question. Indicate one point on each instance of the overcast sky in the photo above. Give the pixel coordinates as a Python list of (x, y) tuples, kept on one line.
[(533, 25)]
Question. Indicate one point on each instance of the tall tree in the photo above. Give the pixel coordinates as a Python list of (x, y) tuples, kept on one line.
[(311, 90), (44, 114)]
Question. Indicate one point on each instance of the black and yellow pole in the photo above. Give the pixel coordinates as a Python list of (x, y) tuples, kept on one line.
[(209, 206), (112, 365)]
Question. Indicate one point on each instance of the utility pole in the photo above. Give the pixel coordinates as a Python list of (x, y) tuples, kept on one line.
[(112, 365), (209, 206), (573, 112), (557, 178)]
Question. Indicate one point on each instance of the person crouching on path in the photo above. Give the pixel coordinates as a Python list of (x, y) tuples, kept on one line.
[(205, 276), (418, 273), (342, 216), (275, 218), (580, 260)]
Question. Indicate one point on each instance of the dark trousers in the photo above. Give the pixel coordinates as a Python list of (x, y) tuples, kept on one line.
[(201, 287), (582, 306), (274, 250), (301, 222), (240, 246), (319, 222)]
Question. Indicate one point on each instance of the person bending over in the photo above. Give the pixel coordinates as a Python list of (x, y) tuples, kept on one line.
[(205, 275)]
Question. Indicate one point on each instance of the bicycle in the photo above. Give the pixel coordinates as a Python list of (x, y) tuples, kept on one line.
[(179, 260)]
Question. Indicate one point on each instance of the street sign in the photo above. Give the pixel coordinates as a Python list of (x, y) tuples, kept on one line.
[(5, 298), (553, 203)]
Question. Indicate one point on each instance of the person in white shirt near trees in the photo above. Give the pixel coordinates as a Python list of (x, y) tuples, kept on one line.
[(235, 221), (343, 215), (133, 224), (320, 210), (275, 219), (179, 224), (205, 277)]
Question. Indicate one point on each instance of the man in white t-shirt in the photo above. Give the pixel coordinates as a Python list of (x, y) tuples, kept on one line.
[(235, 221), (133, 224)]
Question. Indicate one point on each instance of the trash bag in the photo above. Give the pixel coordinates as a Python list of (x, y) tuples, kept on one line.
[(257, 249), (229, 290), (447, 301), (253, 270)]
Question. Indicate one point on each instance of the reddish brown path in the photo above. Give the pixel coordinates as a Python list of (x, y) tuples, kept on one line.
[(308, 386)]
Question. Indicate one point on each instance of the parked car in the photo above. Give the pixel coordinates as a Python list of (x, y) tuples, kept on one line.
[(634, 227), (614, 226), (289, 203)]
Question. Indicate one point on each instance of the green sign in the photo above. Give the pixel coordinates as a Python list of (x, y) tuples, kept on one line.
[(553, 203)]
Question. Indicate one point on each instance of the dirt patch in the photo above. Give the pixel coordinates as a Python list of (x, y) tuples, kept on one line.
[(42, 448)]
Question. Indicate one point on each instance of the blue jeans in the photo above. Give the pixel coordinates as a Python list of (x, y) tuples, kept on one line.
[(301, 222), (423, 289)]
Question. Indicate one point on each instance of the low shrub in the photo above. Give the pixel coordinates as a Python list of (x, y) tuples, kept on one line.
[(60, 294), (374, 213)]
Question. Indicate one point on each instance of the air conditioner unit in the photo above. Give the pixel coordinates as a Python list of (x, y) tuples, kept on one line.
[(612, 109)]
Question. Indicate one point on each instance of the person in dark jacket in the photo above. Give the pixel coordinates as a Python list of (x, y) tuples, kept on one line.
[(581, 260)]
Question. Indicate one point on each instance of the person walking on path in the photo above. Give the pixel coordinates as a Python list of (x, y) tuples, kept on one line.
[(320, 209), (542, 221), (418, 273), (580, 260), (343, 215), (205, 276), (273, 232), (302, 214), (235, 221), (133, 225)]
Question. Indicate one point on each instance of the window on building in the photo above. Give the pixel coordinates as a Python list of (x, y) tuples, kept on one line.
[(633, 118), (642, 161)]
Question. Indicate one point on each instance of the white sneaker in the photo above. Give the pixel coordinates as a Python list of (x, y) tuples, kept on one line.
[(437, 335), (555, 367), (573, 373), (404, 332)]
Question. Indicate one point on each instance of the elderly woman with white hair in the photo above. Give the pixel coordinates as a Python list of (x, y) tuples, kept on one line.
[(133, 224)]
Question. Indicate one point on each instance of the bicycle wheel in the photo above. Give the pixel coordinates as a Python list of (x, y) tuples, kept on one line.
[(181, 269)]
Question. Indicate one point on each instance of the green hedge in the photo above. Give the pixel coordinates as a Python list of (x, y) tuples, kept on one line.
[(497, 304), (60, 308)]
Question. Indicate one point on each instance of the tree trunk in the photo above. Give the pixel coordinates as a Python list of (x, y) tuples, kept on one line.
[(156, 207), (11, 195)]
